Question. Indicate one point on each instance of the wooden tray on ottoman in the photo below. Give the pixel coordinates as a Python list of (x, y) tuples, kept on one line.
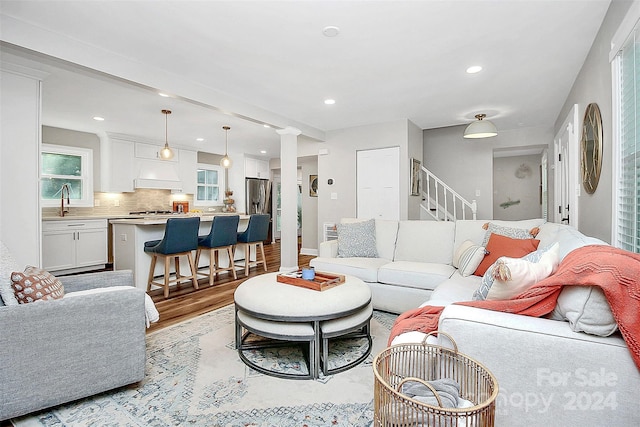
[(321, 282)]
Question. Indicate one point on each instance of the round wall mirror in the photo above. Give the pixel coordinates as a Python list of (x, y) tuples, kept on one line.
[(591, 148)]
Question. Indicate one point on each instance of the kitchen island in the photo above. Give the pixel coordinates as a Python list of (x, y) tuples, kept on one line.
[(130, 234)]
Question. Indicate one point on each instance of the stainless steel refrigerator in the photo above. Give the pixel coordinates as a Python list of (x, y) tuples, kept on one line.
[(258, 195)]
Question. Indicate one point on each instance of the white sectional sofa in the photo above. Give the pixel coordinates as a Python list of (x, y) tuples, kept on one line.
[(550, 372)]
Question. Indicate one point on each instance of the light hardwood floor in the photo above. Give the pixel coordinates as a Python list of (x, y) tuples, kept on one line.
[(185, 302)]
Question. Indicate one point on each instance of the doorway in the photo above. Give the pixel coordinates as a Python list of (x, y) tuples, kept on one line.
[(566, 178)]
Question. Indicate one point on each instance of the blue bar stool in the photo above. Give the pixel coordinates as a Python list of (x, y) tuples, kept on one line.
[(256, 232), (180, 238), (223, 235)]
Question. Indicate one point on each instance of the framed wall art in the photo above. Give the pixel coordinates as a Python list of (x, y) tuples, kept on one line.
[(415, 177)]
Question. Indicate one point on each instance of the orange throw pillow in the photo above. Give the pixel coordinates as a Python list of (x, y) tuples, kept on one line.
[(505, 246), (35, 284)]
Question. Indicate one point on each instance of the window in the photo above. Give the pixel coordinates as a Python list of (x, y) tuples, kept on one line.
[(626, 73), (60, 165), (210, 185)]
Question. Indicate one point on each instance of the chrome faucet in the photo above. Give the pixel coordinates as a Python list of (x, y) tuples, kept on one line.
[(64, 186)]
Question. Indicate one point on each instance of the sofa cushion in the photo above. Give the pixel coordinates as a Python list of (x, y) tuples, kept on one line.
[(386, 235), (586, 309), (425, 241), (455, 289), (7, 266), (357, 239), (513, 276), (505, 246), (365, 269), (568, 237), (420, 275), (35, 284)]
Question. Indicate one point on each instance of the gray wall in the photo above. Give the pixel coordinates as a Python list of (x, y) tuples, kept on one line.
[(339, 164), (467, 165), (516, 178), (593, 84)]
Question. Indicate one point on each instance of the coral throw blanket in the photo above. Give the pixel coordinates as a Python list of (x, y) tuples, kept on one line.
[(615, 271)]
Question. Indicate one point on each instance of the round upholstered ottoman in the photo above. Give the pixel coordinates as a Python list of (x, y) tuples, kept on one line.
[(285, 312)]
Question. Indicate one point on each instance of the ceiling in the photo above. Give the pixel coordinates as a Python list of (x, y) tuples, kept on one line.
[(391, 60)]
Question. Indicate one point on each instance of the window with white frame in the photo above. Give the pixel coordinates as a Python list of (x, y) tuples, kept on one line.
[(626, 77), (70, 167), (209, 186)]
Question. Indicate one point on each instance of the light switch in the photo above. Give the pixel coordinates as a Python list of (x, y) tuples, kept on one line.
[(123, 237), (334, 196), (96, 202), (116, 202), (477, 193)]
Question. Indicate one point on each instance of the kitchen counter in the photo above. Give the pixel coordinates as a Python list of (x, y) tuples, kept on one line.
[(204, 216), (129, 235), (162, 219)]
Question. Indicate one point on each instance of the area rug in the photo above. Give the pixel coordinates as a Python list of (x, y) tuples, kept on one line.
[(195, 377)]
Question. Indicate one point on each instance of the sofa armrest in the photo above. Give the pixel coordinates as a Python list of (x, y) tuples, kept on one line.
[(542, 367), (328, 249), (58, 351), (103, 279)]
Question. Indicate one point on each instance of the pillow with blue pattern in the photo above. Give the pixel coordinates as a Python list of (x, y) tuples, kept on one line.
[(357, 239)]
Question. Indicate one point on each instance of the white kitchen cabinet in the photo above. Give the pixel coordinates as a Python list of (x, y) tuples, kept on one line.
[(188, 171), (152, 152), (74, 245), (256, 168), (117, 165)]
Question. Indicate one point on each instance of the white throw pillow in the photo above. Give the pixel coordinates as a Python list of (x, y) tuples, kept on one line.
[(7, 266), (515, 275), (470, 259), (586, 309), (463, 247)]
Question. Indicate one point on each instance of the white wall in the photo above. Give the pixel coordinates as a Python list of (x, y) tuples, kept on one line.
[(467, 165), (339, 164), (593, 84), (309, 165), (415, 150), (516, 178), (19, 164)]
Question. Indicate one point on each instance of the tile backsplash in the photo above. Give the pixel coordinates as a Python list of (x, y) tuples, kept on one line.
[(123, 203)]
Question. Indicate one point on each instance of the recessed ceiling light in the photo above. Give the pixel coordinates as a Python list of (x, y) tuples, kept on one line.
[(98, 118), (164, 95), (263, 151), (331, 31), (329, 101), (474, 69), (199, 139), (267, 126)]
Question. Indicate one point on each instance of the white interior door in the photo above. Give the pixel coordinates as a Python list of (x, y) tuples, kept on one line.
[(378, 183), (567, 187)]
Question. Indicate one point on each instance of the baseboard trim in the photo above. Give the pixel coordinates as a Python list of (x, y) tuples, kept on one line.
[(308, 251)]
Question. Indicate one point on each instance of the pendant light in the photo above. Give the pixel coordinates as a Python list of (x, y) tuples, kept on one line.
[(480, 128), (166, 153), (226, 161)]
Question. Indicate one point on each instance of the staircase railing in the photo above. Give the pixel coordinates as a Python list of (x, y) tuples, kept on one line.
[(442, 202)]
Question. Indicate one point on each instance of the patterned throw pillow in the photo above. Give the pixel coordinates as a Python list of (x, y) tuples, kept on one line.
[(357, 239), (36, 284), (514, 233), (487, 278)]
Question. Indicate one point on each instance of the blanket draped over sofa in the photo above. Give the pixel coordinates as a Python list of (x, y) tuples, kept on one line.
[(615, 271)]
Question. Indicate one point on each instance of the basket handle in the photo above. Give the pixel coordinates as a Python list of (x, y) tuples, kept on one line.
[(434, 333), (423, 382)]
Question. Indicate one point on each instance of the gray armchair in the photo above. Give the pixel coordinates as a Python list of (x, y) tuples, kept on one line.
[(58, 351)]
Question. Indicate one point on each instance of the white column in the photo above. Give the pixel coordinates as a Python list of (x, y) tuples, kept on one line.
[(289, 198)]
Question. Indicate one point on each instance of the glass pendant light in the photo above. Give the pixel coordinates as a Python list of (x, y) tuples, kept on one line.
[(166, 153), (226, 161)]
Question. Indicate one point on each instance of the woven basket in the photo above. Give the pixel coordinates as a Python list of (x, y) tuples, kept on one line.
[(423, 362)]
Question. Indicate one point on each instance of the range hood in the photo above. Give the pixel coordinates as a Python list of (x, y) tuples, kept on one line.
[(158, 174)]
